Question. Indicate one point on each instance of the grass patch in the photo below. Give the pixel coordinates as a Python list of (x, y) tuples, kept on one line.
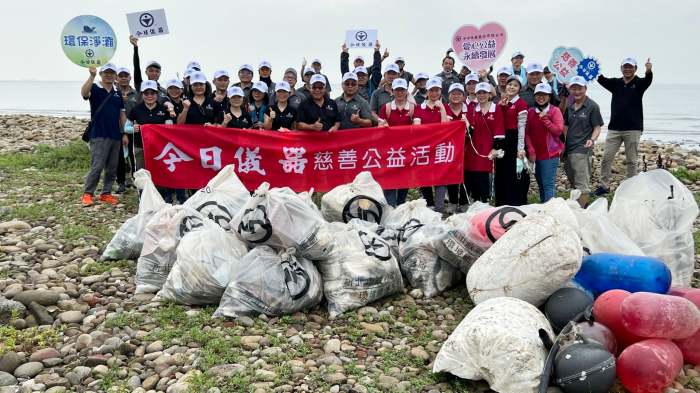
[(49, 183), (100, 267), (124, 319), (27, 340)]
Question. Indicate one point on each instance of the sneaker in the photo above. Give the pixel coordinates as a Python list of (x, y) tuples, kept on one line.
[(601, 191), (87, 200), (130, 183), (107, 199), (463, 208), (121, 189), (451, 209)]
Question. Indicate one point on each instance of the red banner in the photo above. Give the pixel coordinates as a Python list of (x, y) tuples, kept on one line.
[(188, 156)]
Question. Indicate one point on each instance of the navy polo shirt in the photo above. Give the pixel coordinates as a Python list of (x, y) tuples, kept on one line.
[(106, 124)]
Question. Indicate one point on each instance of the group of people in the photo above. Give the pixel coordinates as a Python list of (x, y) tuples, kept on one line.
[(517, 123)]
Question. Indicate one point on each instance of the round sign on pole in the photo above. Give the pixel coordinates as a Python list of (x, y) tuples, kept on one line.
[(88, 41)]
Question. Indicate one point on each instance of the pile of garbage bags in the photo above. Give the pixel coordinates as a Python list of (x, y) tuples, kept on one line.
[(610, 284)]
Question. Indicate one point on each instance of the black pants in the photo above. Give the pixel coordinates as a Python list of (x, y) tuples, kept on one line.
[(457, 195), (427, 193), (511, 187), (477, 184)]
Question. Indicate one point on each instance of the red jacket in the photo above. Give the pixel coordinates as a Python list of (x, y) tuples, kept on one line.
[(542, 134)]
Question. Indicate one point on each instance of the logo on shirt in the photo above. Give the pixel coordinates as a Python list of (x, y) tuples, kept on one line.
[(354, 107), (209, 107), (245, 121), (490, 117), (288, 115), (582, 114), (330, 108), (160, 113)]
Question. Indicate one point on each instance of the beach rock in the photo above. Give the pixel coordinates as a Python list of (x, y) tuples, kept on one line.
[(42, 354), (72, 317), (7, 379), (28, 370), (6, 309), (40, 314), (9, 362), (4, 226), (43, 297)]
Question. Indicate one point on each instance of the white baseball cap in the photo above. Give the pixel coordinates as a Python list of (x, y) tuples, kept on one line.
[(194, 64), (260, 85), (123, 69), (235, 91), (399, 59), (434, 82), (317, 78), (264, 63), (483, 86), (108, 66), (517, 53), (358, 57), (189, 72), (361, 69), (145, 85), (392, 67), (471, 77), (504, 70), (543, 88), (174, 82), (153, 63), (534, 67), (198, 77), (399, 83), (349, 75), (421, 75), (245, 67), (457, 86), (629, 60), (309, 69), (578, 80), (316, 61), (283, 86), (515, 78), (220, 73)]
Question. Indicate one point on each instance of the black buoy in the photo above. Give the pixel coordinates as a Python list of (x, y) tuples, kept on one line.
[(564, 305), (584, 366)]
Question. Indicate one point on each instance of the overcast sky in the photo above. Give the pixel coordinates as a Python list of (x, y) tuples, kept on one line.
[(224, 34)]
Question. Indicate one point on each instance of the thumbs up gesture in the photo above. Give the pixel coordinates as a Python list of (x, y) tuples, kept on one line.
[(219, 96), (648, 65), (355, 117), (273, 114), (249, 108), (318, 126), (227, 118), (137, 127)]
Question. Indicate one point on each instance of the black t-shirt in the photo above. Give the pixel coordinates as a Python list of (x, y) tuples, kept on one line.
[(200, 115), (218, 106), (309, 112), (284, 118), (244, 121), (140, 114)]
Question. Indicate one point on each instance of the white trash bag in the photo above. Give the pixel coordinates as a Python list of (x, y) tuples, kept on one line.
[(360, 270), (222, 198), (657, 212), (306, 197), (279, 218), (271, 284), (128, 241), (163, 234), (498, 341), (363, 199), (206, 259), (404, 217), (594, 221), (537, 256), (422, 266), (463, 244)]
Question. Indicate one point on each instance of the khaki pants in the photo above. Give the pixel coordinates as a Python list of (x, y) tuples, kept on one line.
[(139, 157), (613, 141), (578, 171)]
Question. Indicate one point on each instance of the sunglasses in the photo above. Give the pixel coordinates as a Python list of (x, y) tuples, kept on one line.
[(265, 69), (350, 84), (149, 93), (318, 87), (246, 72)]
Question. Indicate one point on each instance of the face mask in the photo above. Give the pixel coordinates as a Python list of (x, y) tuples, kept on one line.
[(519, 165), (446, 72), (422, 91)]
